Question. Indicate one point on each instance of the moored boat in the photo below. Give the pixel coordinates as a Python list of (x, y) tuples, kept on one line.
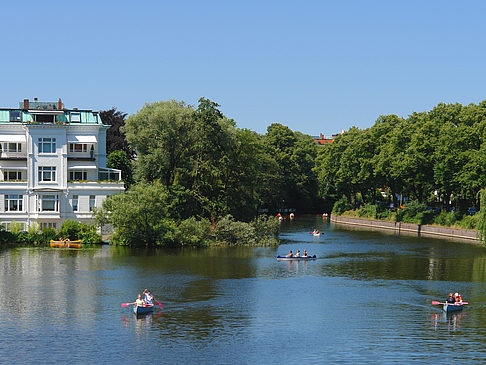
[(66, 244), (300, 258), (452, 307), (143, 310)]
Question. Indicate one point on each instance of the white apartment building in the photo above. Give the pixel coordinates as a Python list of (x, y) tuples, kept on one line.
[(52, 164)]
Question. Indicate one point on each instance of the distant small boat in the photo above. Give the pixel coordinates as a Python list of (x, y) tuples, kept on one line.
[(452, 307), (316, 234), (143, 310), (300, 258), (66, 244)]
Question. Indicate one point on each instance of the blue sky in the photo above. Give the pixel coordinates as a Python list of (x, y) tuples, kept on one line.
[(315, 66)]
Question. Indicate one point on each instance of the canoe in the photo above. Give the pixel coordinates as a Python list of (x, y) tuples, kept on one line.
[(450, 307), (66, 244), (143, 310), (316, 234), (283, 258)]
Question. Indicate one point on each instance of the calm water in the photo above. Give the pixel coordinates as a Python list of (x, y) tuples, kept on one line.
[(366, 299)]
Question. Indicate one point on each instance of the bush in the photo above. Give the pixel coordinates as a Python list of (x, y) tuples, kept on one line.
[(368, 211), (74, 230), (341, 206), (410, 213), (48, 234), (230, 232), (266, 226), (190, 232)]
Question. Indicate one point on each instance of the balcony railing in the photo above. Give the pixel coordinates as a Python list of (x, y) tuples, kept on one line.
[(5, 155)]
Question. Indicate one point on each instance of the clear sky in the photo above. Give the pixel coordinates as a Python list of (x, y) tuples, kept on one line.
[(315, 66)]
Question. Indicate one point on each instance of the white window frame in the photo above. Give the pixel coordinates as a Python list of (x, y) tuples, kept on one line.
[(14, 200), (44, 142), (73, 173), (48, 198), (78, 147), (75, 117), (75, 203), (47, 173), (92, 202), (18, 175)]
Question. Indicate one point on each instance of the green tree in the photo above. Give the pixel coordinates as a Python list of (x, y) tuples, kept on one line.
[(115, 139), (139, 216), (119, 160)]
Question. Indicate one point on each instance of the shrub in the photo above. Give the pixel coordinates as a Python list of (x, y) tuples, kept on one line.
[(341, 206), (230, 232), (48, 234), (74, 230), (190, 232), (410, 213)]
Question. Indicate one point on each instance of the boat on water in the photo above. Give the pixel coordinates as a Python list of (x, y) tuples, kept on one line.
[(66, 244), (300, 258), (316, 234), (452, 307), (143, 310)]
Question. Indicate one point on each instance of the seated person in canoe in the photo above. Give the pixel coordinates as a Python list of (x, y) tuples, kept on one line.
[(305, 254), (139, 302), (290, 254), (451, 299), (458, 298), (297, 254)]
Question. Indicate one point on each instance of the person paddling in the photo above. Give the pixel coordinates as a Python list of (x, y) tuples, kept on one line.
[(148, 297), (305, 254), (290, 254), (450, 298)]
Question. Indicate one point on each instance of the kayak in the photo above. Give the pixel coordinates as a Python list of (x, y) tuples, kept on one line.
[(316, 234), (143, 310), (68, 244), (452, 307), (300, 258)]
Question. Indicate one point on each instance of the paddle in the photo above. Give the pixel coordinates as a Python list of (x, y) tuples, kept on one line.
[(159, 304), (434, 302), (126, 304)]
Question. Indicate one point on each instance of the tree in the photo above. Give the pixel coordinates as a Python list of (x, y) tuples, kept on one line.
[(119, 160), (115, 139), (139, 216)]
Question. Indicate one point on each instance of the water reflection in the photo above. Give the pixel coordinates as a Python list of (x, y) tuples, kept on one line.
[(451, 321)]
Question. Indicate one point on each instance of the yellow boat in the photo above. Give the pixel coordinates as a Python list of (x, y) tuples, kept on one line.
[(66, 244)]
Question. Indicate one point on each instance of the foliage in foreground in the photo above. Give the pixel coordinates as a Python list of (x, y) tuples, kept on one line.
[(140, 218), (70, 229)]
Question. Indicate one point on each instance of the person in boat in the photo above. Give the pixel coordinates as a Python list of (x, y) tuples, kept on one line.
[(305, 254), (458, 298), (292, 215), (316, 231), (290, 254), (139, 302), (297, 254), (148, 298), (450, 298)]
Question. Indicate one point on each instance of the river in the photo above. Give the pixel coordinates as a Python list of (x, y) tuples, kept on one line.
[(366, 299)]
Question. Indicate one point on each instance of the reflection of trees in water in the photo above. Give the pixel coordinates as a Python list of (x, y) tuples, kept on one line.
[(407, 266), (201, 325), (452, 321), (214, 262)]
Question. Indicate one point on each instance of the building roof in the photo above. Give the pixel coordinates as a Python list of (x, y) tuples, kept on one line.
[(48, 112)]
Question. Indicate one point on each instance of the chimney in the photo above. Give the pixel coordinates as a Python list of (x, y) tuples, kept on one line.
[(26, 103), (59, 104), (35, 99)]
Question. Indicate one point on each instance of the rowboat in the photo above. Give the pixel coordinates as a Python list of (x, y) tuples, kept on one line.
[(300, 258), (66, 244), (316, 234), (452, 307), (143, 310)]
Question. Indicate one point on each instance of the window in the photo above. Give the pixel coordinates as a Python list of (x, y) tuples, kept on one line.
[(44, 225), (92, 201), (12, 175), (75, 117), (78, 175), (8, 225), (109, 175), (15, 116), (49, 203), (78, 147), (75, 203), (13, 203), (12, 147), (47, 145), (47, 173)]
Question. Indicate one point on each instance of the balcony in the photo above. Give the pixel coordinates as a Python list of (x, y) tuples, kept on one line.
[(6, 155)]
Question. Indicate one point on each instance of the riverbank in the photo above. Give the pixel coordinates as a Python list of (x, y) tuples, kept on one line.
[(463, 235)]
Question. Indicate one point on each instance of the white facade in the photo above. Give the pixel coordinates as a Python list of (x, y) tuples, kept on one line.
[(52, 165)]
